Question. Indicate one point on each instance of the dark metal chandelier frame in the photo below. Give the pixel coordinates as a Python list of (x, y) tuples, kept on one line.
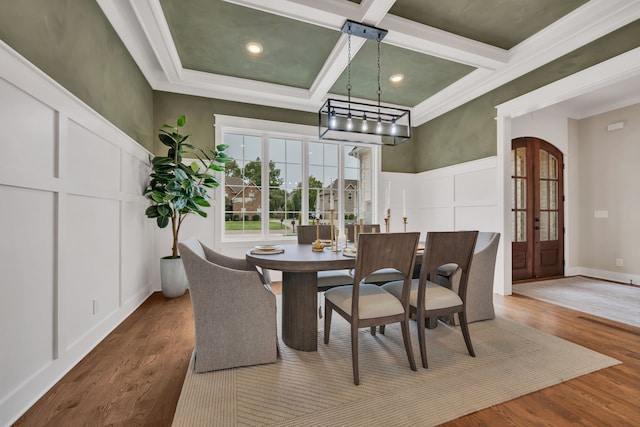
[(352, 121)]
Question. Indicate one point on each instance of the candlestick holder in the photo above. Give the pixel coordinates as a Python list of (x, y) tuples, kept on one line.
[(331, 211), (404, 221), (387, 220)]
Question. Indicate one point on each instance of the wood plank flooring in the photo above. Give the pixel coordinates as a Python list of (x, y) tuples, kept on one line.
[(134, 377)]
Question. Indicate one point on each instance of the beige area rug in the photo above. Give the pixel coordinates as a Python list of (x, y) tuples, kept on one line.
[(316, 388), (613, 301)]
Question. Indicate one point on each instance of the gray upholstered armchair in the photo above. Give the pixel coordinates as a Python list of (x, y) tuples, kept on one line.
[(233, 308), (480, 283)]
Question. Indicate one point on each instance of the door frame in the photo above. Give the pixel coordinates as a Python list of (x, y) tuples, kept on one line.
[(617, 69)]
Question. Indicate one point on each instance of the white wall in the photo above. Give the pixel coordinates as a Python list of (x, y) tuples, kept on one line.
[(76, 246), (459, 197), (609, 200)]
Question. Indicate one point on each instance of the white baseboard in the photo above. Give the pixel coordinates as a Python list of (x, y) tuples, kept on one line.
[(605, 275)]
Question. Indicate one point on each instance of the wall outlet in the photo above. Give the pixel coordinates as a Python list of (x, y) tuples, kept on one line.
[(619, 262)]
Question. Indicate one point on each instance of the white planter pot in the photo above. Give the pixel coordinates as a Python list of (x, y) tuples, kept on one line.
[(173, 277)]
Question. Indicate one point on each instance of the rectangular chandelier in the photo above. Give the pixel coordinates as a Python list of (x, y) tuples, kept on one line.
[(341, 120), (352, 121)]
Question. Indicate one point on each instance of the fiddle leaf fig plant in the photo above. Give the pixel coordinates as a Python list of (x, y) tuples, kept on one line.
[(177, 189)]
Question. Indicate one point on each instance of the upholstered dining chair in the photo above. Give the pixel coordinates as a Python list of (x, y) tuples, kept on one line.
[(382, 276), (428, 299), (480, 281), (366, 305), (326, 279), (233, 309)]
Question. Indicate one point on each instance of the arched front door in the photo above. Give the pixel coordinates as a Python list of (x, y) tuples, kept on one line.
[(537, 219)]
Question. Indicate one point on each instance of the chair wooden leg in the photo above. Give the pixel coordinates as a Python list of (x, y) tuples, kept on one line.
[(465, 333), (327, 322), (354, 354), (382, 329), (406, 337), (373, 331), (422, 338)]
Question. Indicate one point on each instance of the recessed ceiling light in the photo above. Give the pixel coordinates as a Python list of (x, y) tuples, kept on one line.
[(254, 48), (396, 78)]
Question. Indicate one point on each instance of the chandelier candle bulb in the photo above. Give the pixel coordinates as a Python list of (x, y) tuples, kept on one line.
[(404, 204)]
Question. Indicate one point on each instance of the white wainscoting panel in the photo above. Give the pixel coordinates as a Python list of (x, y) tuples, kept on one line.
[(27, 136), (77, 248), (94, 248), (92, 160), (28, 284), (459, 197)]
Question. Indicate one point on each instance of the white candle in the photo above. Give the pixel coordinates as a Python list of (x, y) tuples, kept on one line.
[(404, 205), (331, 196), (388, 198)]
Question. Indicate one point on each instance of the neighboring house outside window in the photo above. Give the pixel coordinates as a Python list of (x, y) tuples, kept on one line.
[(278, 180)]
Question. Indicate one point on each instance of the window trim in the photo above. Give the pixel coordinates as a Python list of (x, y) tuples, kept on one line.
[(266, 129)]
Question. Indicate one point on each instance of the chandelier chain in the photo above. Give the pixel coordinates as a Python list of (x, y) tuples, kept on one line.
[(349, 67), (379, 72)]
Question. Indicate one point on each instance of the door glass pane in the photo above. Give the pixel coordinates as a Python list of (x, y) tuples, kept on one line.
[(553, 167), (521, 226), (521, 194), (521, 161), (544, 197), (544, 164), (553, 226), (544, 226), (553, 194), (513, 227)]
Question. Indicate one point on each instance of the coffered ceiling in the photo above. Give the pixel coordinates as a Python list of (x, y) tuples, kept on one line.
[(449, 52)]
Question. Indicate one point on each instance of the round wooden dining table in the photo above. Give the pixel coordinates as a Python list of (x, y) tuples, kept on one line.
[(299, 266)]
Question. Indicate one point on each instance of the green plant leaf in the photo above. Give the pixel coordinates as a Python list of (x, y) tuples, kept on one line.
[(152, 212), (180, 175), (179, 203), (165, 210), (222, 147), (167, 140), (182, 120), (201, 201), (161, 161), (163, 221)]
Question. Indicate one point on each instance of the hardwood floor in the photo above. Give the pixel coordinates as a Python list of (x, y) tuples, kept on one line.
[(133, 378)]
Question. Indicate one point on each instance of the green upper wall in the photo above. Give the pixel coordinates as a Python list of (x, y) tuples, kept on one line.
[(73, 42), (469, 132), (167, 107)]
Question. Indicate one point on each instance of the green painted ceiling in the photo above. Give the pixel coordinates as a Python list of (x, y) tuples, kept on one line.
[(423, 75), (210, 36), (501, 23)]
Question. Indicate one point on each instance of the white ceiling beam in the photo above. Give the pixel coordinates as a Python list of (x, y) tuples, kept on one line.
[(432, 41)]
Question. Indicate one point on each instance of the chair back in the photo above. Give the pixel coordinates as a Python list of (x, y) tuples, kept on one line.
[(385, 250), (233, 312), (366, 228), (307, 234), (444, 247)]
